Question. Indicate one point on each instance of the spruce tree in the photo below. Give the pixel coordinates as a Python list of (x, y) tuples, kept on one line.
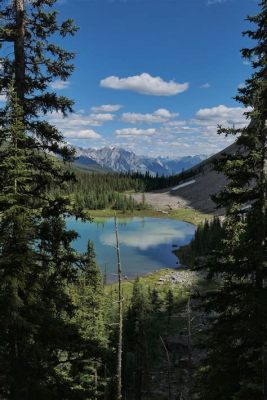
[(169, 299), (236, 336), (90, 316), (17, 235), (136, 339), (39, 347)]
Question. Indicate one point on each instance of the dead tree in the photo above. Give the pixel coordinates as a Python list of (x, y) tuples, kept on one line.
[(120, 311)]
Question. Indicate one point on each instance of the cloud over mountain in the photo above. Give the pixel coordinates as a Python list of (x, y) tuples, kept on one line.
[(135, 132), (82, 134), (159, 116)]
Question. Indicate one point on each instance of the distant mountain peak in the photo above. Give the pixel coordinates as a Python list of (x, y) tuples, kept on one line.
[(119, 159)]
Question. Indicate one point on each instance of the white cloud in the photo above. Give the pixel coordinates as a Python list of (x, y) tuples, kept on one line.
[(185, 129), (79, 120), (59, 85), (211, 2), (176, 124), (205, 86), (159, 116), (170, 137), (82, 134), (145, 84), (127, 132), (3, 98), (222, 115), (98, 119), (106, 108), (162, 112), (78, 125)]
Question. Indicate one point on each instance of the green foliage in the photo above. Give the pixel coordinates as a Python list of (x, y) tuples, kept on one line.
[(147, 317), (208, 236), (103, 191), (41, 349), (150, 183), (90, 316), (236, 335), (36, 263), (169, 299)]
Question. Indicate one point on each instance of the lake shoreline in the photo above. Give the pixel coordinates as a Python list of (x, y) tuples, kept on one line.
[(180, 280), (146, 243), (184, 214)]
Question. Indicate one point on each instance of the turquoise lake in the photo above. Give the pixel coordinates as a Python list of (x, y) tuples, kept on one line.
[(146, 244)]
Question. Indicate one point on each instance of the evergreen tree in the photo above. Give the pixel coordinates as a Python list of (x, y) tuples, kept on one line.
[(37, 263), (136, 339), (155, 300), (236, 337), (16, 238), (169, 304), (89, 300), (207, 238)]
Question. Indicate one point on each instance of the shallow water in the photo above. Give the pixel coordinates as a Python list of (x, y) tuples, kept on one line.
[(146, 244)]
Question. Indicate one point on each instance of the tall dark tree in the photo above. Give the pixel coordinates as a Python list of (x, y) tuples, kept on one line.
[(90, 316), (37, 341), (236, 338), (136, 339)]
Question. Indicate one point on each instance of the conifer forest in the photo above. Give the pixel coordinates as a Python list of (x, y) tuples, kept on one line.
[(196, 332)]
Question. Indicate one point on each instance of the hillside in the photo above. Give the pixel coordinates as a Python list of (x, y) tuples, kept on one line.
[(195, 190), (207, 182), (91, 167)]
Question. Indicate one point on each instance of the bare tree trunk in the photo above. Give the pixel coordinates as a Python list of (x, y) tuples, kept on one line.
[(189, 343), (169, 367), (264, 372), (19, 49), (120, 301), (96, 384), (138, 376), (264, 282)]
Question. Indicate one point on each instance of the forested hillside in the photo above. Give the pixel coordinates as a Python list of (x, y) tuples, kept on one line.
[(94, 191)]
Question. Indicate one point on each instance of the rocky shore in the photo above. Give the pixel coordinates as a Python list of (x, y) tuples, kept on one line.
[(182, 277)]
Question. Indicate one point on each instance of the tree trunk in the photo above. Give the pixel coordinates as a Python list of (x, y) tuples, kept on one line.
[(19, 49), (189, 344), (120, 300)]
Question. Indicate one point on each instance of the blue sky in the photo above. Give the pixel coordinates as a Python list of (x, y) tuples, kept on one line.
[(155, 76)]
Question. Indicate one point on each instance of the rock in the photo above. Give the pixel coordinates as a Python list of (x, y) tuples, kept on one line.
[(181, 277)]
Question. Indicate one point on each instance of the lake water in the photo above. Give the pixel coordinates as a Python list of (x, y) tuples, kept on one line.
[(146, 244)]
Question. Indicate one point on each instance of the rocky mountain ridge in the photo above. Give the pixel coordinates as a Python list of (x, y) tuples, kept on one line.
[(117, 159)]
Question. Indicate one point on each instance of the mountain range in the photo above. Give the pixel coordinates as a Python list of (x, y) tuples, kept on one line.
[(117, 159)]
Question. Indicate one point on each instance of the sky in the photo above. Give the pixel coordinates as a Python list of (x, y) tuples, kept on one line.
[(155, 76)]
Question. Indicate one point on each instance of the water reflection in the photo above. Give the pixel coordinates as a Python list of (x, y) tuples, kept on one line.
[(146, 243), (148, 235)]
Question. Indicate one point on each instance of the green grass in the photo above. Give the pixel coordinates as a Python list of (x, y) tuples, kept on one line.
[(151, 280), (185, 214)]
